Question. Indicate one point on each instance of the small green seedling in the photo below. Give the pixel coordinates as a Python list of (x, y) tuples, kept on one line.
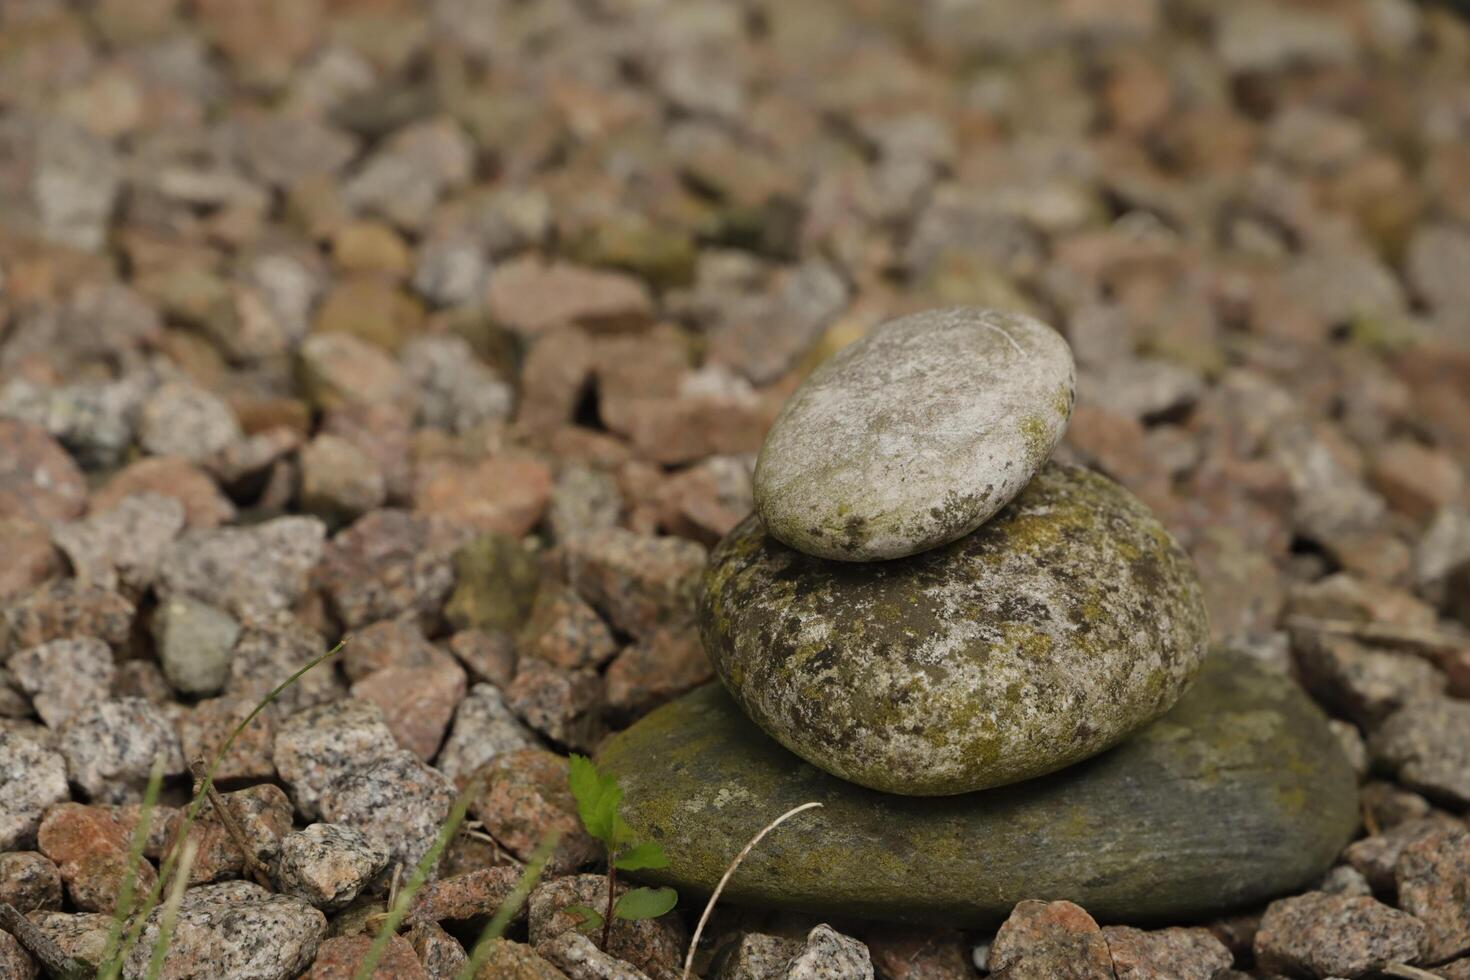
[(598, 796)]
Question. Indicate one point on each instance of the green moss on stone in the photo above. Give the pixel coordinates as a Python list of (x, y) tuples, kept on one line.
[(1237, 795)]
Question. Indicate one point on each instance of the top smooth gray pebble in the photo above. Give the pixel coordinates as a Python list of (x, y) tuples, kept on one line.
[(915, 435)]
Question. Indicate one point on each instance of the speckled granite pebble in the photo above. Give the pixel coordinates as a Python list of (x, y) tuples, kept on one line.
[(64, 676), (32, 778), (110, 747), (234, 929), (829, 955), (915, 435), (327, 864), (1046, 636)]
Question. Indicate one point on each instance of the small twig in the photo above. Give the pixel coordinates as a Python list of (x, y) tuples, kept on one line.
[(170, 915), (1370, 821), (1409, 972), (725, 879), (232, 826), (40, 945), (394, 884)]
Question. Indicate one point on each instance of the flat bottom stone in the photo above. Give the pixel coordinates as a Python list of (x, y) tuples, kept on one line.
[(1239, 794)]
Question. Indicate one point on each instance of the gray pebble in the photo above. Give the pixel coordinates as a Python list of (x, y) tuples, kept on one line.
[(32, 778), (829, 955), (484, 727), (122, 547), (64, 676), (110, 747), (580, 959), (320, 745), (194, 640), (456, 390), (253, 573), (399, 801), (182, 420), (328, 864), (915, 435), (234, 929)]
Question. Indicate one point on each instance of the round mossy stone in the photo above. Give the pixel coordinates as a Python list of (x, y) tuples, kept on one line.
[(1239, 794), (1066, 622), (915, 435)]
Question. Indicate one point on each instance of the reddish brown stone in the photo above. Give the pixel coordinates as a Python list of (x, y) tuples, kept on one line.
[(90, 847), (173, 476), (524, 796), (652, 671), (507, 494), (1050, 941), (417, 702), (38, 480), (339, 959), (530, 296)]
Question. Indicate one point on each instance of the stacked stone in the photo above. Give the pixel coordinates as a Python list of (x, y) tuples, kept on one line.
[(925, 605)]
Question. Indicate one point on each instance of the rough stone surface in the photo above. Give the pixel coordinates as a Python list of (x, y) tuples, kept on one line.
[(580, 959), (182, 420), (1167, 954), (398, 801), (29, 881), (15, 962), (1043, 638), (754, 956), (204, 728), (263, 814), (466, 896), (417, 702), (264, 656), (1049, 940), (38, 480), (327, 865), (1430, 875), (63, 676), (484, 727), (441, 954), (1173, 823), (915, 435), (829, 955), (121, 547), (496, 581), (340, 958), (1427, 744), (524, 796), (507, 960), (62, 608), (234, 929), (252, 573), (316, 747), (34, 779), (562, 705), (89, 845), (565, 631), (640, 583), (110, 747), (1335, 936)]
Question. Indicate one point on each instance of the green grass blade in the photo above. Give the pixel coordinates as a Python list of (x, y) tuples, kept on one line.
[(171, 912), (427, 863), (497, 925), (111, 963), (192, 812)]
